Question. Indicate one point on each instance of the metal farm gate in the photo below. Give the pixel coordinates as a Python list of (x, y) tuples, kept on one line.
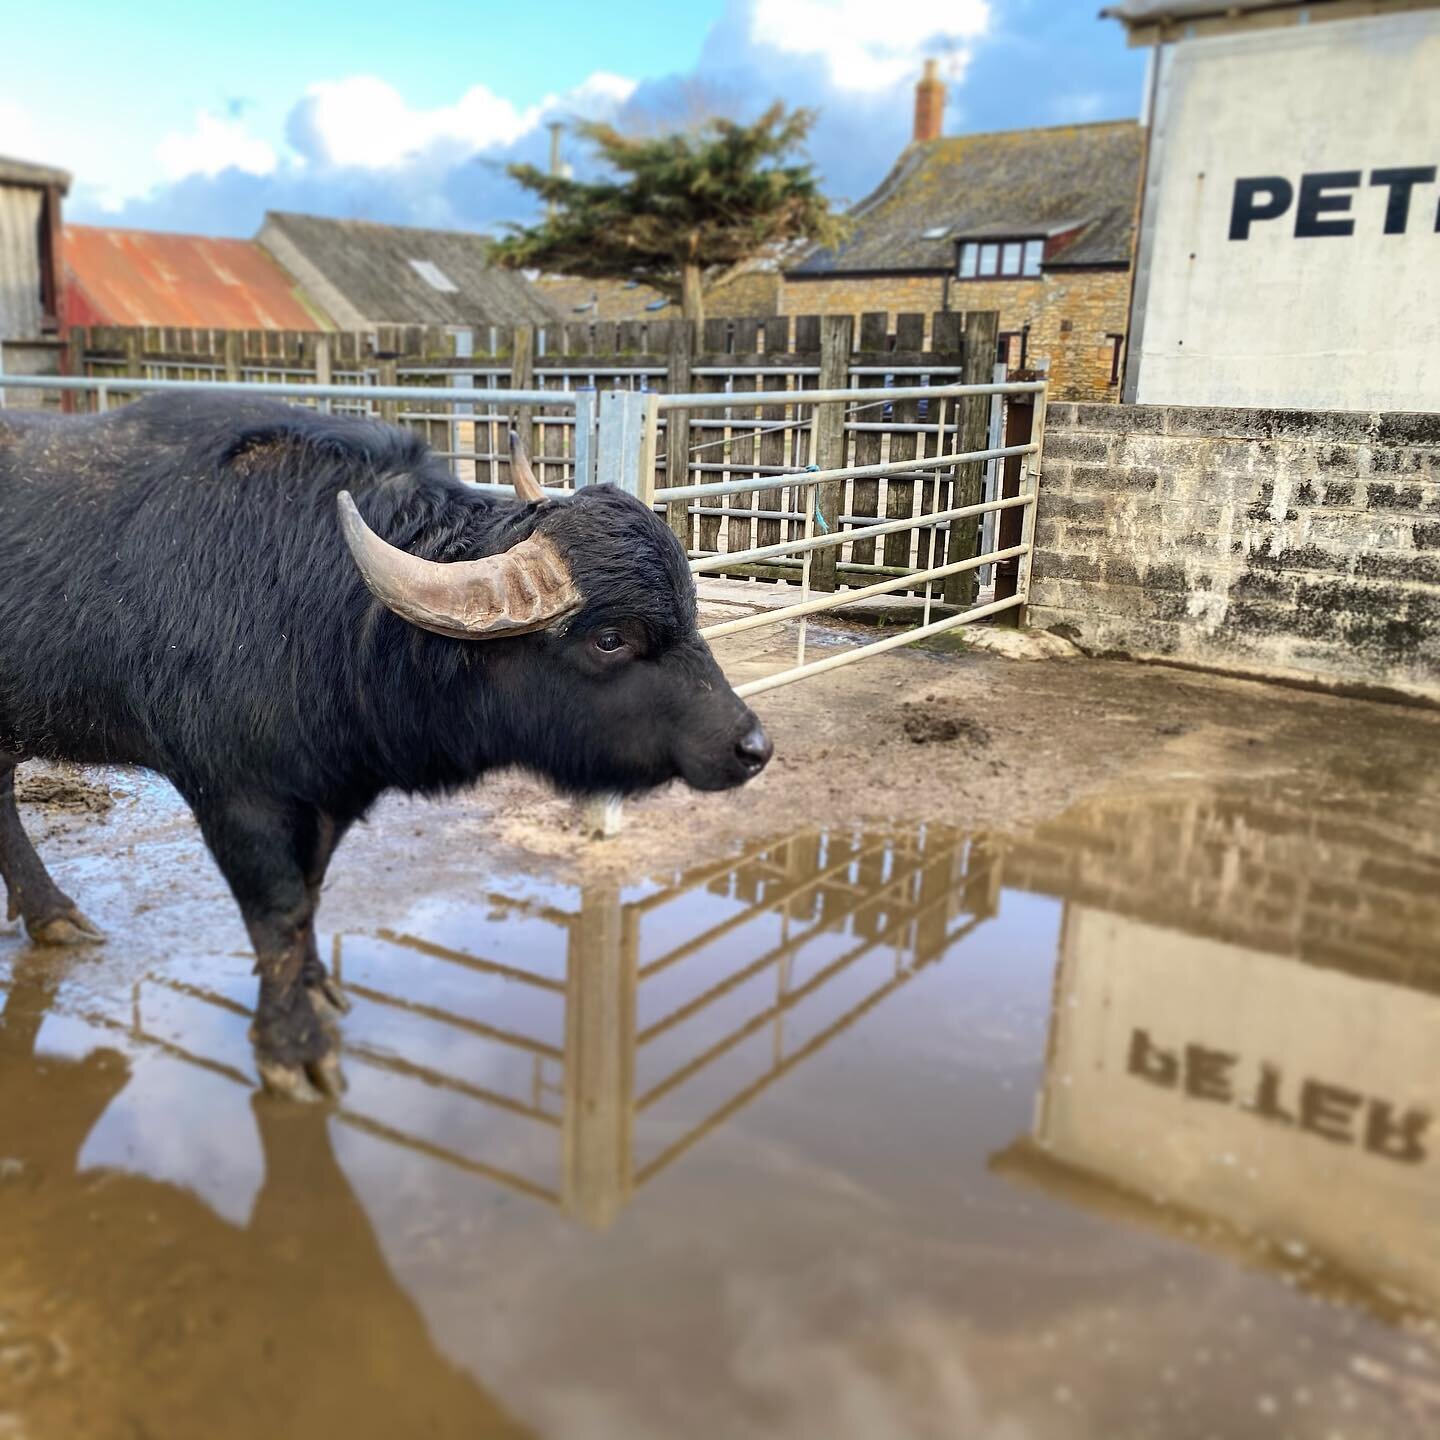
[(819, 474)]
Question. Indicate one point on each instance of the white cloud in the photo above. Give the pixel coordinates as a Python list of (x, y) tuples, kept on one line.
[(598, 92), (866, 46), (363, 121), (212, 146), (19, 138)]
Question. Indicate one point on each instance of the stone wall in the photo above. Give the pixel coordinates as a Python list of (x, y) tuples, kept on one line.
[(752, 294), (1072, 329), (1292, 544), (859, 294), (1071, 314)]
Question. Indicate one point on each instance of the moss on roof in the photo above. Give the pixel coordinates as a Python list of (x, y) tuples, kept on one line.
[(1020, 182)]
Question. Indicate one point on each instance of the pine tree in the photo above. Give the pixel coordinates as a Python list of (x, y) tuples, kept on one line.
[(684, 208)]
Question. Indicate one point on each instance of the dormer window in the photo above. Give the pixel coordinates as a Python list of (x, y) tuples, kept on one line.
[(1001, 259)]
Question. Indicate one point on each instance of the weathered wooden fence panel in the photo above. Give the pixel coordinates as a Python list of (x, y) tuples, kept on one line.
[(739, 356)]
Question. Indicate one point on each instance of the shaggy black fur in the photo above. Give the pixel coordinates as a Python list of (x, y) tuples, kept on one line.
[(175, 594)]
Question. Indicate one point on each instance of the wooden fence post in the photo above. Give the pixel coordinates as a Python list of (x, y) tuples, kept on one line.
[(75, 400), (386, 374), (231, 354), (865, 494), (677, 427), (836, 341), (522, 377), (901, 497), (982, 334)]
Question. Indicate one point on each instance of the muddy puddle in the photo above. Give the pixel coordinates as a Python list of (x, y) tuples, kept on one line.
[(1118, 1129)]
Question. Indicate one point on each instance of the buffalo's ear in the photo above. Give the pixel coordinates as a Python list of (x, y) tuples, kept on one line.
[(528, 587), (522, 477)]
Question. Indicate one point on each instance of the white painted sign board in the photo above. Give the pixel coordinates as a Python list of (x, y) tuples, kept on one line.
[(1283, 1099), (1290, 241)]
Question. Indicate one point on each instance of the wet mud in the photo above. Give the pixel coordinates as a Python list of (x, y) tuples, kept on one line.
[(64, 788), (1097, 1099), (934, 724)]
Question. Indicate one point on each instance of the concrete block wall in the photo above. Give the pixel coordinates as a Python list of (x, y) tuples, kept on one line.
[(1291, 544)]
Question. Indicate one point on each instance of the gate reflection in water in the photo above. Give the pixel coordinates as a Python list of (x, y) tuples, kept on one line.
[(610, 1019), (1243, 1029)]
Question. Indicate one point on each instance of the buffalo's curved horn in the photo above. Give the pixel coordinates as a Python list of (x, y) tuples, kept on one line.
[(528, 587), (522, 477)]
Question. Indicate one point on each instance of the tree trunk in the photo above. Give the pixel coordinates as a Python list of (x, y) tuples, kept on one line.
[(692, 297)]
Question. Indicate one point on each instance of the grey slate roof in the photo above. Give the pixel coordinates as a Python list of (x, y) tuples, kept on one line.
[(1016, 182), (25, 172), (362, 273)]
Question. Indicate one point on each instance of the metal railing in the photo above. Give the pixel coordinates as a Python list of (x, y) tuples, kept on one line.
[(453, 426), (974, 548), (935, 530)]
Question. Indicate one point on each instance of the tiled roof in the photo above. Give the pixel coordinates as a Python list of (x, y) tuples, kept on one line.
[(401, 275), (1017, 182)]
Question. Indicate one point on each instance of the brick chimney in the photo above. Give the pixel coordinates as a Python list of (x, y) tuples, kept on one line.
[(929, 104)]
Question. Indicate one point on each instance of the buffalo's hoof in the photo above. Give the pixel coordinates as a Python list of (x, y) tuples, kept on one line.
[(68, 928), (329, 1000), (309, 1084)]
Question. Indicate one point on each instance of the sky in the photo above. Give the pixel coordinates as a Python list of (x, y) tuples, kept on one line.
[(195, 116)]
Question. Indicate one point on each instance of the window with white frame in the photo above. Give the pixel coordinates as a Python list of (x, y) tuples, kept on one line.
[(1004, 259)]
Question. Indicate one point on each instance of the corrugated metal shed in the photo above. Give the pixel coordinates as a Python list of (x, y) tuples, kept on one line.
[(26, 193), (142, 277), (1017, 182), (367, 274)]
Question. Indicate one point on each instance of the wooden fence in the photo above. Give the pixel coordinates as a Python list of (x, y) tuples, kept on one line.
[(731, 356)]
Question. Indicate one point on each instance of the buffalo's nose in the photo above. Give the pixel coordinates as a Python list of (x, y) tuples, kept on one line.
[(754, 749)]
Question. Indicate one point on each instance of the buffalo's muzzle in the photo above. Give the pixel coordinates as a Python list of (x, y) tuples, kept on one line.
[(754, 749)]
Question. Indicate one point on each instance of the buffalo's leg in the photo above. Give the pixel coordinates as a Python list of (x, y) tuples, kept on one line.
[(325, 992), (268, 855), (50, 916), (329, 1000)]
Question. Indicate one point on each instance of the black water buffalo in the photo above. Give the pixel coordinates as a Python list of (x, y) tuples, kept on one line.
[(287, 614)]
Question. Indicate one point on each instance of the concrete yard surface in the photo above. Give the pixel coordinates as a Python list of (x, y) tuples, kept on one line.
[(1040, 1050)]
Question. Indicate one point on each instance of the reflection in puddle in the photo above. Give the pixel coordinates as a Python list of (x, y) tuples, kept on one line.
[(813, 1093)]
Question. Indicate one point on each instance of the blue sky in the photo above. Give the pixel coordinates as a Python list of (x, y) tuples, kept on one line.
[(200, 116)]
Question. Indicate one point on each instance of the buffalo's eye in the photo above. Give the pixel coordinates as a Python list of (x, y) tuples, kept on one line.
[(609, 641)]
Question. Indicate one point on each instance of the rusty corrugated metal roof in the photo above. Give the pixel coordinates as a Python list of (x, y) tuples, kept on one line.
[(144, 277)]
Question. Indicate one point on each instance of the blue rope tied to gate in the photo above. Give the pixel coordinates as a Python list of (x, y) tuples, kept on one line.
[(819, 518)]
